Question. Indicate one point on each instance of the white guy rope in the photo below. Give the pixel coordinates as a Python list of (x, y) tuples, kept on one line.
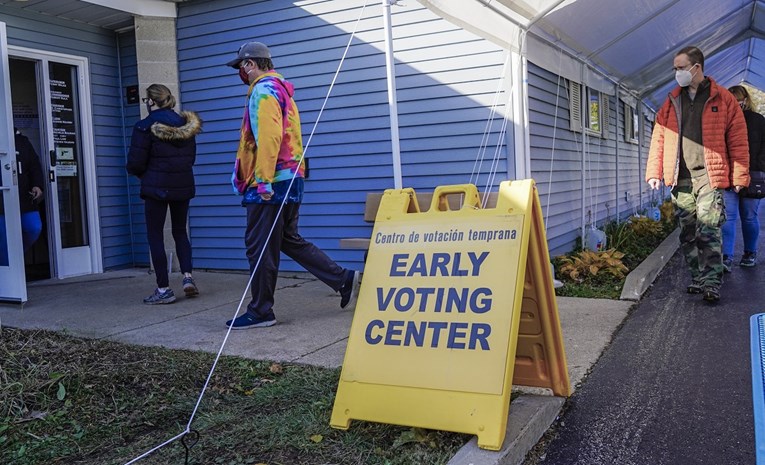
[(268, 238), (552, 148), (500, 141), (489, 124)]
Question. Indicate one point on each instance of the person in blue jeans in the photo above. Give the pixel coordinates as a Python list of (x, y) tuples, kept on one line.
[(30, 185), (739, 205)]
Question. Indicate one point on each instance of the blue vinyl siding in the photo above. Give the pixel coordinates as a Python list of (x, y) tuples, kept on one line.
[(99, 46), (446, 81), (556, 158), (560, 164), (132, 113)]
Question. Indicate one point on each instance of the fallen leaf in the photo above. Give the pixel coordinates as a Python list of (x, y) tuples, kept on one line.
[(276, 368), (317, 438)]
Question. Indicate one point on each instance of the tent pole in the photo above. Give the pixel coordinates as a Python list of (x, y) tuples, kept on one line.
[(391, 78), (519, 72)]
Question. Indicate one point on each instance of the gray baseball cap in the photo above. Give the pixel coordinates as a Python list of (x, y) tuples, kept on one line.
[(250, 50)]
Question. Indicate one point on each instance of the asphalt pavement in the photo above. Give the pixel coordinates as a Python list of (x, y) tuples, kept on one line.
[(674, 386)]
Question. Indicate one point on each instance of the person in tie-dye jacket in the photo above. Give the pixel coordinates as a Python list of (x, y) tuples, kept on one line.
[(269, 174)]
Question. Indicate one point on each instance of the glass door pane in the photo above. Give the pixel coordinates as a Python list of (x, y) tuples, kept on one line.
[(67, 155)]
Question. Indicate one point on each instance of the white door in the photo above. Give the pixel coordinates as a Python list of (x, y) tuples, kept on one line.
[(13, 286), (68, 158)]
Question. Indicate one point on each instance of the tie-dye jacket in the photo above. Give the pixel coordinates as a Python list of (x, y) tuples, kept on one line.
[(270, 144)]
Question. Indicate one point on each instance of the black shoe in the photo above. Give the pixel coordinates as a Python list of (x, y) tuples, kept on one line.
[(748, 260), (695, 289), (727, 264), (350, 290), (711, 294)]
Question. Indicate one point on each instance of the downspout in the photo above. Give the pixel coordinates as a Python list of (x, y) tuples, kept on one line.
[(616, 149), (641, 181), (392, 102), (584, 114)]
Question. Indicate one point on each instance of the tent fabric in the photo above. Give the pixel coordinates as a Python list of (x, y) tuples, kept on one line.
[(630, 43)]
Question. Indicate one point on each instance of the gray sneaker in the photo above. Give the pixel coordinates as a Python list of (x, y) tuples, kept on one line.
[(159, 298), (190, 287)]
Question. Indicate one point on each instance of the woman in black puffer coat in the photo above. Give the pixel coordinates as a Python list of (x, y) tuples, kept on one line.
[(743, 204), (162, 153)]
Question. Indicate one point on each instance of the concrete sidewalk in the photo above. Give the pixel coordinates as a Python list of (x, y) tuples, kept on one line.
[(312, 330)]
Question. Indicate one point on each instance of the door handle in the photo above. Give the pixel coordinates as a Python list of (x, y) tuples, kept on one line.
[(52, 158), (52, 176)]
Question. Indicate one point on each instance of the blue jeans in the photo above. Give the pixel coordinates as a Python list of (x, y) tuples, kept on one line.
[(31, 226), (735, 207)]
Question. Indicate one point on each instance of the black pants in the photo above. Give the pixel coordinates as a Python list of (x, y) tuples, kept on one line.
[(156, 211), (285, 238)]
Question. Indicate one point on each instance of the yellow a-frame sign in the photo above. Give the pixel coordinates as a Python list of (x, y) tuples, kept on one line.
[(455, 307)]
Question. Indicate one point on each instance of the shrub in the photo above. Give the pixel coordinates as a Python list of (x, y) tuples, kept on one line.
[(618, 234), (589, 263), (668, 213), (587, 273), (643, 226)]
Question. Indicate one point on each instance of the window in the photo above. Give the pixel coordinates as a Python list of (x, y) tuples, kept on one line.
[(594, 106), (593, 110), (631, 123)]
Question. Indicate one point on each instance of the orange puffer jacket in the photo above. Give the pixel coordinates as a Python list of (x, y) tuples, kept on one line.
[(724, 134)]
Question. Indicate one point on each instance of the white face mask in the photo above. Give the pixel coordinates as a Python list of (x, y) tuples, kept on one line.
[(684, 77)]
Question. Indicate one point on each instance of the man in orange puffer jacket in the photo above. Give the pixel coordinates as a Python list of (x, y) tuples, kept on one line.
[(699, 147)]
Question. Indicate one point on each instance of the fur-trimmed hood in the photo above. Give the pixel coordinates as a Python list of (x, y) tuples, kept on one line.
[(189, 129)]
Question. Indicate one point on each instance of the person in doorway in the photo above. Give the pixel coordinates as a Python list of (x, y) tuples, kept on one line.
[(30, 187), (162, 153), (269, 174), (699, 148), (31, 183), (738, 204)]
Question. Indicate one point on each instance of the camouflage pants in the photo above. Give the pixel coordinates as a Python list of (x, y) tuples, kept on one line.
[(701, 215)]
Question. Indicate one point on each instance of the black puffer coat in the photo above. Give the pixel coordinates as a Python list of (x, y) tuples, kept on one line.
[(30, 173), (162, 153), (755, 124)]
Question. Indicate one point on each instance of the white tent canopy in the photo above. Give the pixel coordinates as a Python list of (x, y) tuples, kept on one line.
[(631, 42)]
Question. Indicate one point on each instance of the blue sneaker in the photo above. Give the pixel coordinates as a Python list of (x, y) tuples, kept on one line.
[(350, 290), (247, 320), (159, 298), (727, 264)]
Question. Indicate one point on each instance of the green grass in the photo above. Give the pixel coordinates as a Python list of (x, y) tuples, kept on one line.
[(67, 400)]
